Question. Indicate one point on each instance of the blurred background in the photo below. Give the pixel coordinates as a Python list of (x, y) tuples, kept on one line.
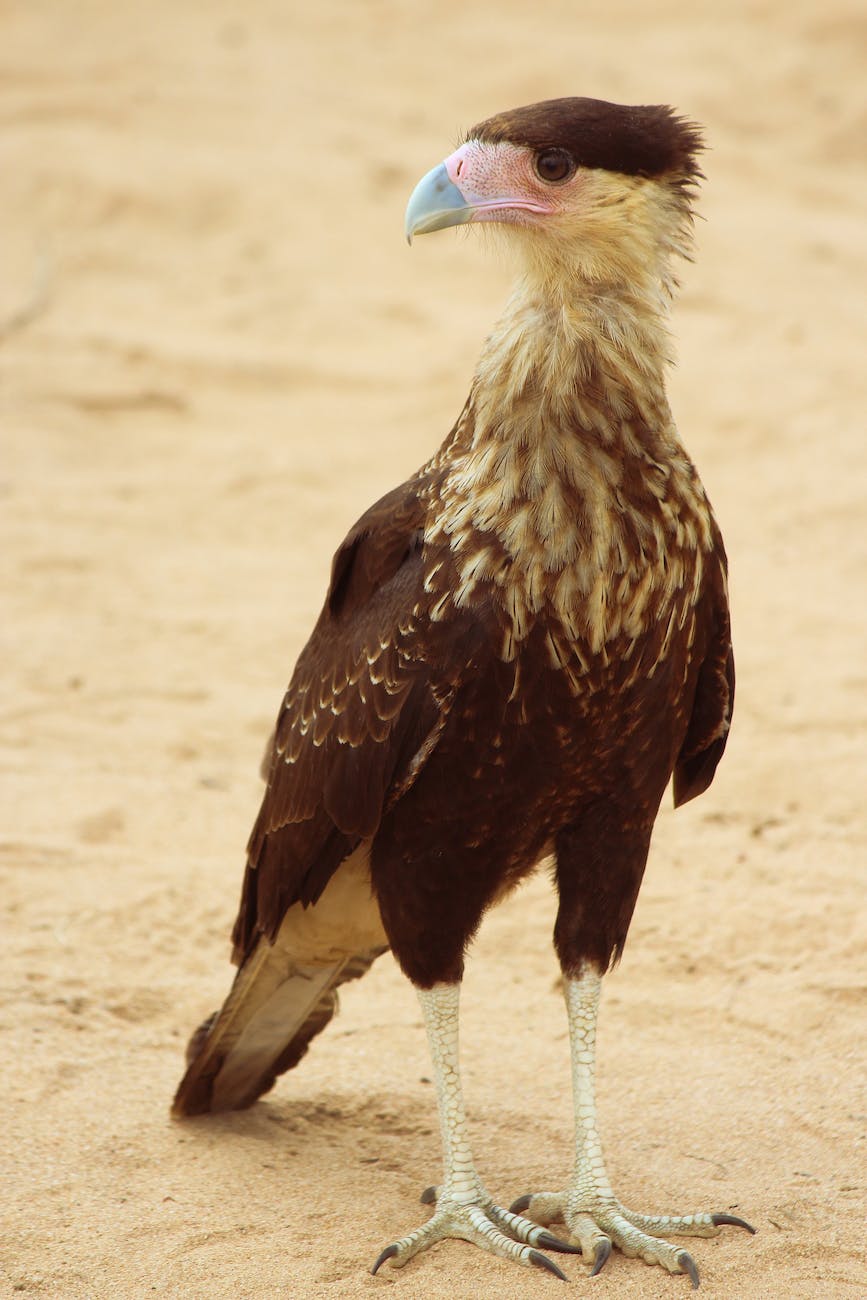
[(216, 350)]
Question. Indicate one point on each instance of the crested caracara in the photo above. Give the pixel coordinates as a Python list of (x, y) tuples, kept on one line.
[(519, 648)]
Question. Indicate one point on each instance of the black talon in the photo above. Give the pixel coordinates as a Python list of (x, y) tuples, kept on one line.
[(600, 1256), (428, 1196), (548, 1241), (388, 1253), (687, 1263), (519, 1206), (542, 1261), (719, 1219)]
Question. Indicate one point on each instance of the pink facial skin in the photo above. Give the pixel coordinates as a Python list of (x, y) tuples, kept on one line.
[(499, 183)]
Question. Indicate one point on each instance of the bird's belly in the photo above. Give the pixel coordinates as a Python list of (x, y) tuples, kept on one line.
[(531, 742)]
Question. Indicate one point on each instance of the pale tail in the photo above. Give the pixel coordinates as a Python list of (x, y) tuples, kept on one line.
[(275, 1008)]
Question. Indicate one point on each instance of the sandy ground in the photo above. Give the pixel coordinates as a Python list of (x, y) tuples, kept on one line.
[(216, 350)]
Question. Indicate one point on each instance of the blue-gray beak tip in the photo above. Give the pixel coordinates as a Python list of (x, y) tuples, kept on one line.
[(434, 204)]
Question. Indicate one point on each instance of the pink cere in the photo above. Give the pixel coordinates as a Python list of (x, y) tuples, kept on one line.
[(496, 178)]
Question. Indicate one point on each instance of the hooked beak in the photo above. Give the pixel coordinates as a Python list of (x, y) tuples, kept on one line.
[(436, 202), (478, 182)]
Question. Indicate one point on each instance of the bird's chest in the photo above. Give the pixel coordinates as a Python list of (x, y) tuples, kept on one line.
[(596, 546), (600, 598)]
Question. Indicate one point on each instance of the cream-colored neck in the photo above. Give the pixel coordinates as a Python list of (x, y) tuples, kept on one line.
[(584, 339), (589, 363), (568, 484)]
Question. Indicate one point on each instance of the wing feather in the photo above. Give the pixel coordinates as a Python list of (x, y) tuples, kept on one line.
[(361, 715), (713, 703)]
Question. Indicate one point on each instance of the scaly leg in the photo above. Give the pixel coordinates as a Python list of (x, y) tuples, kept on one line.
[(588, 1207), (463, 1208)]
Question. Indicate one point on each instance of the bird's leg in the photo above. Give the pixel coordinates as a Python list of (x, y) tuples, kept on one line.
[(588, 1207), (463, 1208)]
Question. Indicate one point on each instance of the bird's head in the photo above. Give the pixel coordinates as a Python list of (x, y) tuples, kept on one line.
[(586, 187)]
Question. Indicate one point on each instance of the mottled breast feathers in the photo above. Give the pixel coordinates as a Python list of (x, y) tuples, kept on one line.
[(387, 669)]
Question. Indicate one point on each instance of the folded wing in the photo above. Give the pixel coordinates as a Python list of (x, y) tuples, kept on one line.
[(363, 711)]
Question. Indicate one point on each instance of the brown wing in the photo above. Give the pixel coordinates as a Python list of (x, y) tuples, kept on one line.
[(362, 703), (713, 704)]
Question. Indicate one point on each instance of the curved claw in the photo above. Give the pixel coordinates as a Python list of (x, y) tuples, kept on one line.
[(519, 1206), (548, 1241), (719, 1219), (542, 1261), (429, 1196), (687, 1263), (388, 1253), (601, 1255)]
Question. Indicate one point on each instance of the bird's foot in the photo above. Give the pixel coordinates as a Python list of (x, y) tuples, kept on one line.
[(483, 1223), (597, 1223)]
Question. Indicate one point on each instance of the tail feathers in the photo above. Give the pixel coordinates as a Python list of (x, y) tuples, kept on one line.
[(273, 1011)]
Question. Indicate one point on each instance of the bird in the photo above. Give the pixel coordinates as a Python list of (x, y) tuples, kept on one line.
[(520, 647)]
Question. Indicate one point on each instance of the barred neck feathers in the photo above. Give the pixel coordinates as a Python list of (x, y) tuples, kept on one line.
[(569, 496), (592, 305)]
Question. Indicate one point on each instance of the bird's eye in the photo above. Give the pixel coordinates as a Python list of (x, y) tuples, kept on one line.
[(554, 165)]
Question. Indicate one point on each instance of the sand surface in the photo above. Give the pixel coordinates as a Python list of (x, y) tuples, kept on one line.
[(216, 350)]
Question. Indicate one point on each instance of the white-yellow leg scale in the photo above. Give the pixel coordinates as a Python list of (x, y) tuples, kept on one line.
[(464, 1209), (588, 1206)]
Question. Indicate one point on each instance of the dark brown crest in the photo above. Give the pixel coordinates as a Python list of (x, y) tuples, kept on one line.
[(641, 140)]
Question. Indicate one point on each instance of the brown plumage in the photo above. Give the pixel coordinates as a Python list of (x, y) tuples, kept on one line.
[(519, 648)]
